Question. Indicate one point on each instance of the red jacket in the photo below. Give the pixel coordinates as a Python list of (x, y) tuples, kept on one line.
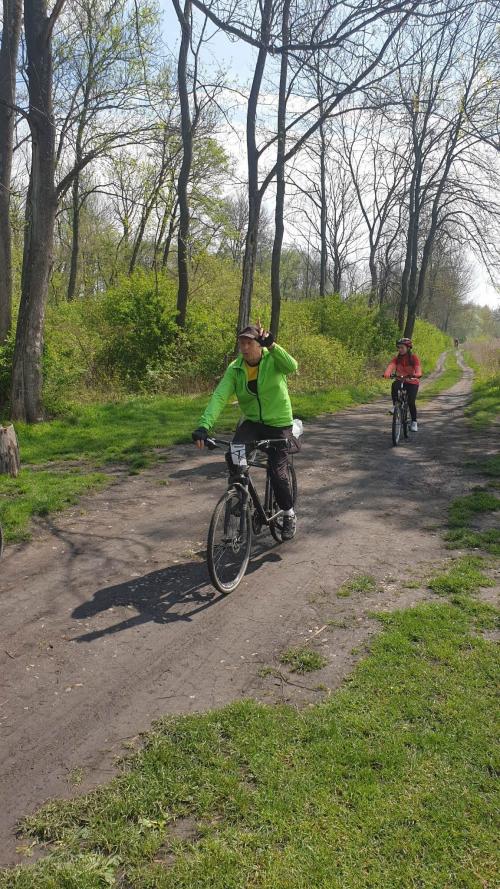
[(405, 366)]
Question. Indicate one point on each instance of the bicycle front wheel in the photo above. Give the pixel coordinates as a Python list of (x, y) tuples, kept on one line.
[(396, 424), (229, 542)]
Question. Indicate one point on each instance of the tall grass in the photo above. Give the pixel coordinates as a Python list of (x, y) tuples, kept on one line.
[(484, 357)]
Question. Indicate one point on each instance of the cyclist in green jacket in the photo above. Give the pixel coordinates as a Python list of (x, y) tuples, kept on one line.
[(258, 379)]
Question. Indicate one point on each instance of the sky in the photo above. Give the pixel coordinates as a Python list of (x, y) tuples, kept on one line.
[(237, 59)]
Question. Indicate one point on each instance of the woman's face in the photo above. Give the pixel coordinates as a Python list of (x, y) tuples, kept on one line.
[(402, 349), (250, 349)]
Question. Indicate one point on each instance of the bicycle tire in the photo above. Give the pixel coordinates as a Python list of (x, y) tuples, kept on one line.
[(229, 542), (276, 527), (406, 424), (396, 424)]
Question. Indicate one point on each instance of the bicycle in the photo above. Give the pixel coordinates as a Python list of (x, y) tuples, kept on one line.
[(240, 514), (400, 417)]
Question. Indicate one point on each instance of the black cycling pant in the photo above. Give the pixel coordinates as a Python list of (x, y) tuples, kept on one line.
[(412, 389), (250, 431)]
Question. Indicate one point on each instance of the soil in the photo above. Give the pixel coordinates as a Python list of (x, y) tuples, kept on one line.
[(109, 620)]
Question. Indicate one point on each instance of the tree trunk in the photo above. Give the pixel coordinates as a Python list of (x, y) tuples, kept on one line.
[(372, 262), (10, 463), (11, 29), (184, 173), (254, 195), (41, 205), (75, 238), (280, 178), (323, 212), (170, 234)]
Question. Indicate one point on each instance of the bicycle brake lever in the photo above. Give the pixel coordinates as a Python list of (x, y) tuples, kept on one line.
[(210, 443)]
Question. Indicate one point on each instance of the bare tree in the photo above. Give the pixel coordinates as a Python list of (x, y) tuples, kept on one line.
[(11, 30), (41, 206), (100, 92)]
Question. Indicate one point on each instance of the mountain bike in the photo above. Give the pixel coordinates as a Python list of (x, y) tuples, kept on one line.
[(400, 418), (240, 513)]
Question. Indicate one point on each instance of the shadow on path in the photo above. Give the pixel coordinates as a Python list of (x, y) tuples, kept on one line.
[(176, 593)]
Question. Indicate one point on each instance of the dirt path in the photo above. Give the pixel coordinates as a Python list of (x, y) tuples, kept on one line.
[(108, 620)]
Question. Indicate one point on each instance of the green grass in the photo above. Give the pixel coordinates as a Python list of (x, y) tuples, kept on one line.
[(94, 435), (484, 408), (389, 784), (362, 583), (464, 576), (462, 513), (308, 405), (303, 660), (451, 375), (117, 432), (38, 493), (490, 466)]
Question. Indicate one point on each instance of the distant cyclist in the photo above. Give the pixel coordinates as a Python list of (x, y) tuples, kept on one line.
[(406, 366), (258, 379)]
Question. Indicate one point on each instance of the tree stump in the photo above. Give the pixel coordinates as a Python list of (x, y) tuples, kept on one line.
[(10, 462)]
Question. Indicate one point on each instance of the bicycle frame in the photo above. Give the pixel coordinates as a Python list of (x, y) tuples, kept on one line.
[(243, 481)]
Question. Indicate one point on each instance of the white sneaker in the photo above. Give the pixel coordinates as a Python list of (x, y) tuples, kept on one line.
[(414, 426)]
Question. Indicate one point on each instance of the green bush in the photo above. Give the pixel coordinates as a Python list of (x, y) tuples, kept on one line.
[(125, 341), (142, 344), (351, 321), (324, 362)]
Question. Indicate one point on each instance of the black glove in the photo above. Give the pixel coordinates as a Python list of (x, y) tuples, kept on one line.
[(266, 339), (200, 434)]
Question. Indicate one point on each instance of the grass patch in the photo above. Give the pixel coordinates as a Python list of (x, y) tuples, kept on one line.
[(120, 432), (484, 358), (38, 493), (362, 583), (489, 467), (303, 660), (126, 433), (463, 577), (391, 782), (452, 373), (309, 405), (461, 515)]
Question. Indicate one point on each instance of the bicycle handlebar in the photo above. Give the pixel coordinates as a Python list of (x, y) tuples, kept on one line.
[(213, 443)]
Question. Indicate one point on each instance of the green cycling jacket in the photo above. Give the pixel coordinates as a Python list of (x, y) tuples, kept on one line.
[(271, 405)]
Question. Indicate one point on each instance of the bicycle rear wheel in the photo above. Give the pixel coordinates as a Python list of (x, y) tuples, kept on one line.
[(229, 541), (396, 424), (276, 527)]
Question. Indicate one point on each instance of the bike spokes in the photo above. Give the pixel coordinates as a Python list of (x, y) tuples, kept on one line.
[(229, 541), (396, 424)]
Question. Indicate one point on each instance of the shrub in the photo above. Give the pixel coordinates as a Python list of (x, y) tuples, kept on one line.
[(323, 362)]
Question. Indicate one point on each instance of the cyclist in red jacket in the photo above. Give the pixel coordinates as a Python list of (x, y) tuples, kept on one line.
[(406, 365)]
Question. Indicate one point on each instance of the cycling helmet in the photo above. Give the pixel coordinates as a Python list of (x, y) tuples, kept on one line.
[(404, 341)]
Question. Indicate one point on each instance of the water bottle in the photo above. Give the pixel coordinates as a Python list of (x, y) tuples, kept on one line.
[(297, 428)]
